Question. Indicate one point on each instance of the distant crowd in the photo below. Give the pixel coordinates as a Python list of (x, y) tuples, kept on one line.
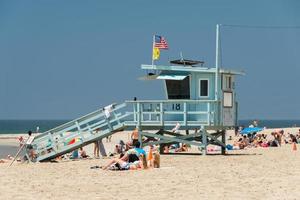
[(275, 139)]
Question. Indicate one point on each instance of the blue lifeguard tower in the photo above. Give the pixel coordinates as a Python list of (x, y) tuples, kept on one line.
[(200, 99)]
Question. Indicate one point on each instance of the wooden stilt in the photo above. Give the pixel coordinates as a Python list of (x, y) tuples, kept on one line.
[(140, 137), (223, 149), (204, 140)]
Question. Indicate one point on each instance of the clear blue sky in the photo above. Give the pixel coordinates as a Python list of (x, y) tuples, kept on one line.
[(61, 59)]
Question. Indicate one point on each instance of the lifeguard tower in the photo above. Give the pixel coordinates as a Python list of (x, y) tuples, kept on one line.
[(200, 99)]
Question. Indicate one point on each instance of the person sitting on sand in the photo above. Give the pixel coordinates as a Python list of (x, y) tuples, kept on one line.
[(245, 140), (272, 142), (134, 138), (298, 136), (293, 139), (82, 153), (174, 148), (182, 148), (258, 140), (117, 149), (153, 157), (239, 144), (166, 149), (136, 151), (133, 154), (108, 138), (278, 137), (156, 159), (120, 148), (123, 165)]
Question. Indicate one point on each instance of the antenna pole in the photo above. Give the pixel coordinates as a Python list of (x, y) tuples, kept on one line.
[(217, 61)]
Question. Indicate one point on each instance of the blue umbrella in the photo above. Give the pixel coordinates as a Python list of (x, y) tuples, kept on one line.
[(251, 130)]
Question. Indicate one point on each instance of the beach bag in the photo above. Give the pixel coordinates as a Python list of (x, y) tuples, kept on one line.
[(229, 147)]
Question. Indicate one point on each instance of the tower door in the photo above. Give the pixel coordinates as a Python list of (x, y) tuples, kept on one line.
[(229, 115)]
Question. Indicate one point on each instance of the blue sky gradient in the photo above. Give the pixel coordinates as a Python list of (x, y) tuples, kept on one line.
[(62, 59)]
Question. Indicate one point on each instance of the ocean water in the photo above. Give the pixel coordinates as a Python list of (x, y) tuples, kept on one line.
[(23, 126), (272, 123), (8, 150)]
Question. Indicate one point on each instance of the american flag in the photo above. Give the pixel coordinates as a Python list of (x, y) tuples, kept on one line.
[(160, 42)]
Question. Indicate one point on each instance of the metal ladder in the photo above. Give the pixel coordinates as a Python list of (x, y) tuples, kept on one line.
[(76, 133)]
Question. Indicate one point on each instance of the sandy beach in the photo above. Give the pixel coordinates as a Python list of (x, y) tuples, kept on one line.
[(254, 173)]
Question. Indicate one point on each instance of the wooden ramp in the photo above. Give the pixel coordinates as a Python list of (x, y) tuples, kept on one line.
[(77, 133)]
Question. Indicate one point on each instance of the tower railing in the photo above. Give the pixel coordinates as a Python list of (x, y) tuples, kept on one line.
[(188, 113)]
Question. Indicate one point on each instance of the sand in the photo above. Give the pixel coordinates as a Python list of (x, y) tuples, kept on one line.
[(261, 173)]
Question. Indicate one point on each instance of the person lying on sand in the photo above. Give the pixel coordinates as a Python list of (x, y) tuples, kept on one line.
[(174, 148), (9, 158)]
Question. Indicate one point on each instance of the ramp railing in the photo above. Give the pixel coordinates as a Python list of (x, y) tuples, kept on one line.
[(77, 133)]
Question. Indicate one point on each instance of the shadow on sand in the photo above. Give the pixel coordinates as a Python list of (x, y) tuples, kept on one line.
[(215, 154)]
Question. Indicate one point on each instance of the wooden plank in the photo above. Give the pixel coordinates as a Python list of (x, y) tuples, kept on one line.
[(216, 140), (204, 140), (174, 139)]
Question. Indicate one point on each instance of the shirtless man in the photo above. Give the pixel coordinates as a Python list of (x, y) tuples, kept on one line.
[(134, 138)]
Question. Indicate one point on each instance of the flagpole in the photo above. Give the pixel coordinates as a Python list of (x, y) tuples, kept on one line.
[(153, 40), (217, 61)]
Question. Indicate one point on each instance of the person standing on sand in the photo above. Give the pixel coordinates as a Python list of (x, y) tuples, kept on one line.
[(99, 147), (102, 148), (255, 123), (294, 142), (96, 149), (96, 146)]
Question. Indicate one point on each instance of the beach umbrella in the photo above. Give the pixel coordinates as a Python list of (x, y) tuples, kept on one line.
[(251, 130)]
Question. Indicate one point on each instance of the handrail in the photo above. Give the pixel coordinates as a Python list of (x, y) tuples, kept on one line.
[(172, 100), (159, 112), (72, 123)]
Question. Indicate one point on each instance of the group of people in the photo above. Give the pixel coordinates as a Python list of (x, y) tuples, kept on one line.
[(275, 139), (134, 158), (131, 156), (126, 156)]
